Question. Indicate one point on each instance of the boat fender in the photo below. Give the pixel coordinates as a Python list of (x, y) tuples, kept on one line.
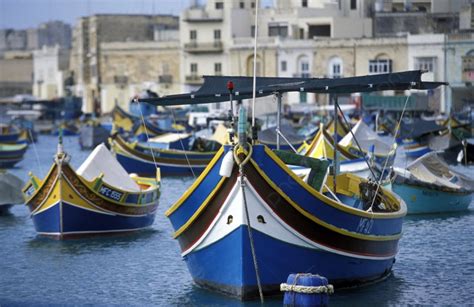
[(305, 289), (227, 164)]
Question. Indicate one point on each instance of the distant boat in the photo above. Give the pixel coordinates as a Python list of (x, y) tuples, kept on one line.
[(322, 147), (68, 129), (429, 185), (416, 133), (137, 158), (122, 120), (10, 191), (269, 137), (10, 134), (381, 153), (11, 154), (98, 198)]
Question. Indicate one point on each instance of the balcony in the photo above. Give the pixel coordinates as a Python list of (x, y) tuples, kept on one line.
[(200, 15), (302, 75), (194, 80), (195, 47)]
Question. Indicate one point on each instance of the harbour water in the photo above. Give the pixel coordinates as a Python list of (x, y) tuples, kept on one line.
[(435, 264)]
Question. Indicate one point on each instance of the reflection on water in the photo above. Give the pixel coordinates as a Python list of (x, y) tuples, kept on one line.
[(435, 264)]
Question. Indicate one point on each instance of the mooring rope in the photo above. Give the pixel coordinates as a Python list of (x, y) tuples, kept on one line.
[(147, 137), (182, 146), (386, 160), (35, 150), (241, 164)]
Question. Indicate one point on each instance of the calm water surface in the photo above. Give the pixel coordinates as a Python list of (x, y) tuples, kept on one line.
[(435, 264)]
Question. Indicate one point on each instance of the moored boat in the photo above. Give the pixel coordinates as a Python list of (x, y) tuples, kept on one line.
[(91, 134), (244, 228), (11, 154), (381, 153), (322, 147), (429, 185), (139, 159), (98, 198), (10, 191)]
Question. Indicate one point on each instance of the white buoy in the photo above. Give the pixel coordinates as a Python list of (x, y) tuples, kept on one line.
[(227, 164)]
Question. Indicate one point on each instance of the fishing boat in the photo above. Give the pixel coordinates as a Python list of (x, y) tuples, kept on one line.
[(369, 144), (269, 137), (66, 129), (122, 120), (342, 128), (416, 133), (140, 159), (248, 221), (11, 154), (97, 198), (429, 185), (322, 147), (10, 191)]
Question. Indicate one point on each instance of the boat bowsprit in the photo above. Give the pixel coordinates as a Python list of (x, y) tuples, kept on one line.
[(295, 226), (98, 198)]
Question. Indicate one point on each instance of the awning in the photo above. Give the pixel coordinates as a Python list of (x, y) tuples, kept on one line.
[(215, 89)]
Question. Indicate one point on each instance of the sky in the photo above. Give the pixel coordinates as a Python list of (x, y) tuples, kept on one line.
[(22, 14)]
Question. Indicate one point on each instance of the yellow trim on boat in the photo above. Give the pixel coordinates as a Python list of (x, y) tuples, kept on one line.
[(196, 183), (318, 221), (38, 181), (199, 210), (327, 200)]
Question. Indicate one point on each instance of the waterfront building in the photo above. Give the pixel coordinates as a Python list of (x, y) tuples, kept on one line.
[(50, 72), (89, 34), (16, 70), (129, 68)]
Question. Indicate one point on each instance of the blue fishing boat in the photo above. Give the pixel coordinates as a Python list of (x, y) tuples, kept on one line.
[(140, 159), (11, 154), (248, 221), (415, 134), (97, 198), (429, 185), (370, 144)]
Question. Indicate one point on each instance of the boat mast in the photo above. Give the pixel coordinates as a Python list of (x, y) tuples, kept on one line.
[(335, 170), (278, 95)]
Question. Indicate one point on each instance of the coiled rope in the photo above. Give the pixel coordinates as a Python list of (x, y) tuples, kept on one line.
[(329, 289)]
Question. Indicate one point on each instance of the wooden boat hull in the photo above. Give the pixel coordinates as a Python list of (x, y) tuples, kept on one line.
[(414, 149), (170, 162), (11, 154), (294, 228), (65, 205), (422, 200)]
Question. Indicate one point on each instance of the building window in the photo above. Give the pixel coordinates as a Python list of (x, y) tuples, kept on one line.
[(217, 68), (242, 5), (252, 5), (301, 33), (193, 35), (304, 3), (319, 30), (353, 4), (303, 67), (217, 35), (425, 63), (252, 31), (380, 66), (278, 30), (219, 5), (335, 68), (283, 65), (468, 67), (194, 68)]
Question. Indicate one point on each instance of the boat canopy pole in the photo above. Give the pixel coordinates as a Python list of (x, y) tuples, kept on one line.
[(335, 166), (278, 96)]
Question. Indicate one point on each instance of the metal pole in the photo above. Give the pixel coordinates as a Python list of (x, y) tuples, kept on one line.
[(278, 119), (335, 144)]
